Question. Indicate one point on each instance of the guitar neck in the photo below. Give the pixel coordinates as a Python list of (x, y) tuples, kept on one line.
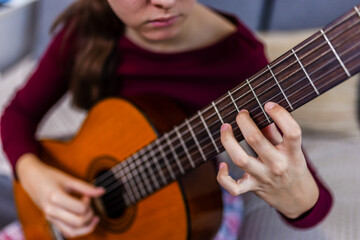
[(322, 61)]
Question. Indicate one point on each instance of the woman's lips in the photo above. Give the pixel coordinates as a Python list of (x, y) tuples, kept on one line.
[(163, 22)]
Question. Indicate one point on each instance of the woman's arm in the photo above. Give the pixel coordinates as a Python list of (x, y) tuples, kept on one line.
[(52, 190)]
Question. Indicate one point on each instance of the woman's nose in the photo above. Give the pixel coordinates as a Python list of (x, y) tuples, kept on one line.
[(166, 4)]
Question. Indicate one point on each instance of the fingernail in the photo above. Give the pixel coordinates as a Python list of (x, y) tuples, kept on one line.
[(224, 127), (243, 110), (270, 105), (222, 165)]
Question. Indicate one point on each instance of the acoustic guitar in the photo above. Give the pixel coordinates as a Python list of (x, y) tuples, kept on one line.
[(160, 184)]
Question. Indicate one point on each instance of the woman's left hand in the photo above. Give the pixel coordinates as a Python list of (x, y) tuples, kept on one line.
[(279, 175)]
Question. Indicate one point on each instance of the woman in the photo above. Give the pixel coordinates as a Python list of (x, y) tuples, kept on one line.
[(180, 49)]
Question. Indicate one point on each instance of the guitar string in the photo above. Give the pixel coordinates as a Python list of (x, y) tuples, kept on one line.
[(264, 82), (324, 43), (121, 206), (284, 100), (296, 61), (135, 182), (351, 15)]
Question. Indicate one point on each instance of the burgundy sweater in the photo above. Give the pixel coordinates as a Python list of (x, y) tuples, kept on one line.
[(193, 78)]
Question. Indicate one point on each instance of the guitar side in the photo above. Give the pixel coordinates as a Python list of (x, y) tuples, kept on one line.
[(116, 129)]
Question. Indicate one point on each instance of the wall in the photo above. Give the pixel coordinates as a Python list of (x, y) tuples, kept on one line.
[(17, 30), (48, 11), (285, 14)]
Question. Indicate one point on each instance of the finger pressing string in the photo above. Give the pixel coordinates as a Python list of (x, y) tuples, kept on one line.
[(238, 154), (290, 129)]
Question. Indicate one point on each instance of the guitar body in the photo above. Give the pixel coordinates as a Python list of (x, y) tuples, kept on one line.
[(115, 129)]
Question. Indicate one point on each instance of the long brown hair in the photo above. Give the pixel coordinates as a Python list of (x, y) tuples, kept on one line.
[(97, 30)]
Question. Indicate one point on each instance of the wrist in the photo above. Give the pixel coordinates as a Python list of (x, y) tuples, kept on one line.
[(27, 166), (304, 199)]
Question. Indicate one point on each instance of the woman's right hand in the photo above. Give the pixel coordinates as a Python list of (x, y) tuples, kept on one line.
[(54, 191)]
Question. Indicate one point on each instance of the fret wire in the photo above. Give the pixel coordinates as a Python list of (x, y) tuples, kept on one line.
[(252, 90), (142, 170), (125, 194), (282, 91), (357, 10), (130, 178), (172, 149), (232, 99), (126, 198), (217, 112), (334, 51), (184, 147), (208, 131), (165, 159), (145, 159), (195, 139), (156, 162), (128, 188), (131, 198), (133, 168), (137, 179), (306, 73)]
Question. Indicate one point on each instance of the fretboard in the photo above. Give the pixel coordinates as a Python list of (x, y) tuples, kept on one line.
[(325, 59)]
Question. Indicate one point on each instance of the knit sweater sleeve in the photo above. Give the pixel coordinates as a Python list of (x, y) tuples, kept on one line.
[(30, 103)]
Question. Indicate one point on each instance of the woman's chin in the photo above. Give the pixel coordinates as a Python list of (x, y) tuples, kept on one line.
[(160, 35)]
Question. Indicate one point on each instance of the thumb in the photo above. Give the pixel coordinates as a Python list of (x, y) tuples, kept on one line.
[(224, 169), (242, 185), (224, 178), (83, 188)]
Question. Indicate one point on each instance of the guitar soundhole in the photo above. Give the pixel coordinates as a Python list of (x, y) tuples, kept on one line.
[(111, 207), (113, 202)]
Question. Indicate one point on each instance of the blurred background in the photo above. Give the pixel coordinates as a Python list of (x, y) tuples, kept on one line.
[(330, 124)]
